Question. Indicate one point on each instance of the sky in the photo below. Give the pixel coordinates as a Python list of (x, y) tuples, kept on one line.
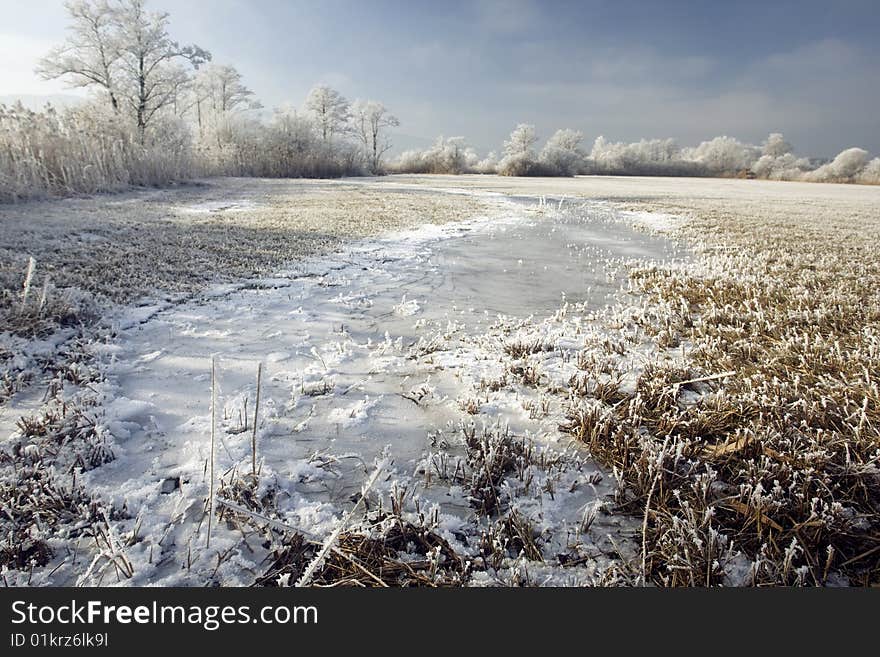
[(625, 69)]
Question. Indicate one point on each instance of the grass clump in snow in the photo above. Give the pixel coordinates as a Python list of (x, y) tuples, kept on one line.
[(493, 454), (385, 548)]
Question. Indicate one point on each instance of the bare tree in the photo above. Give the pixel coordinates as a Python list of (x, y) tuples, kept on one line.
[(217, 91), (329, 109), (370, 119), (125, 50), (90, 54), (149, 59)]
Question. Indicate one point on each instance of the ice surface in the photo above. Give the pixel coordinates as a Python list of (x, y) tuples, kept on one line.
[(374, 345)]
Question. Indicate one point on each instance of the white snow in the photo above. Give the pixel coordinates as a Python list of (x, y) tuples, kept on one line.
[(374, 350), (371, 347)]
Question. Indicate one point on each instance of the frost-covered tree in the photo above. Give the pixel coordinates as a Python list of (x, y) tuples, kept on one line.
[(606, 155), (89, 55), (217, 91), (222, 88), (776, 146), (521, 141), (644, 157), (290, 139), (562, 154), (846, 167), (777, 162), (781, 167), (125, 51), (217, 101), (329, 109), (519, 151), (723, 155), (870, 175), (152, 76), (370, 121), (450, 155)]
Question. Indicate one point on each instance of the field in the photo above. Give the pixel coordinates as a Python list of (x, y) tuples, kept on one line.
[(443, 381)]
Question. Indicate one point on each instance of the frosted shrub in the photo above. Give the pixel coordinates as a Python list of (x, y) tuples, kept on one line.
[(843, 168), (90, 149), (562, 155), (411, 161), (450, 155), (645, 157), (870, 175), (782, 167), (516, 165), (488, 164), (723, 155), (777, 162), (519, 152), (776, 146), (292, 145)]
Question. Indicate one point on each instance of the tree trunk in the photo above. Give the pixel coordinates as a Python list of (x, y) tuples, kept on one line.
[(142, 103)]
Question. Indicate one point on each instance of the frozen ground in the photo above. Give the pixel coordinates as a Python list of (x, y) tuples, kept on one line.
[(388, 348), (395, 350), (379, 346), (222, 229)]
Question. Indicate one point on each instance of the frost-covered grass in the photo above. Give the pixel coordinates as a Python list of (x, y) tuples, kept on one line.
[(769, 473), (748, 445), (64, 264), (730, 397), (67, 268), (77, 151), (137, 244)]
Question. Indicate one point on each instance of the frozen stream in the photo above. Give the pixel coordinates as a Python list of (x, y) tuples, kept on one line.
[(371, 347), (515, 267)]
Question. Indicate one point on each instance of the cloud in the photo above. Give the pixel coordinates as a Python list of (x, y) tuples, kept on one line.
[(508, 17), (826, 91), (646, 64), (817, 59), (823, 95), (337, 80)]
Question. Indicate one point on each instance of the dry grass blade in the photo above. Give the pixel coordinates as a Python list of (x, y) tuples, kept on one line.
[(331, 540)]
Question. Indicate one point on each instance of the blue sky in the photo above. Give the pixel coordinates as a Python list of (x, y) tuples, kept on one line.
[(624, 68)]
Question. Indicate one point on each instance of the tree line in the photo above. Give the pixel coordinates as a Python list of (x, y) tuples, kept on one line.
[(162, 111), (563, 154)]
